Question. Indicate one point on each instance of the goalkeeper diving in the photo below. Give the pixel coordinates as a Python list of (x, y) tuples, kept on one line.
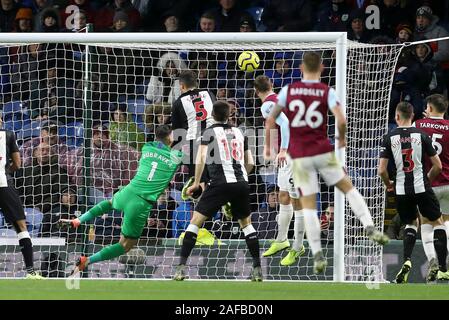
[(157, 166)]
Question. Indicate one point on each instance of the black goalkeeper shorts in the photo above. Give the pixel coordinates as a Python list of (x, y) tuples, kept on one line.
[(11, 205), (214, 197)]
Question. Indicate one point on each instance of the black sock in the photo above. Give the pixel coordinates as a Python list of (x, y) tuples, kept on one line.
[(409, 243), (27, 252), (440, 243), (187, 246), (253, 245)]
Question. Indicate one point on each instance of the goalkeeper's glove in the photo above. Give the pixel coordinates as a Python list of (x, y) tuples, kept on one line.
[(67, 223)]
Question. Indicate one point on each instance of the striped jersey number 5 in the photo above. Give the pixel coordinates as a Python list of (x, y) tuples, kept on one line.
[(236, 149), (436, 145), (407, 159), (313, 118), (152, 171), (201, 112)]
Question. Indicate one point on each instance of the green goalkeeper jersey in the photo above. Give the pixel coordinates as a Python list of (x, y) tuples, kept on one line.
[(157, 167)]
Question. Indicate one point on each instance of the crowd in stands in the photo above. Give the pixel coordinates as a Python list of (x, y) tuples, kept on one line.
[(131, 90)]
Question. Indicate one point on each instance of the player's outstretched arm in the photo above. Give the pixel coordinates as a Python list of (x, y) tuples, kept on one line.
[(383, 173), (284, 124), (340, 118), (249, 161), (270, 124), (199, 168), (436, 169)]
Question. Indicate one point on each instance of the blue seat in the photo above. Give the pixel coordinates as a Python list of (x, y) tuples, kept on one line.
[(29, 130), (73, 134), (256, 12), (136, 107), (12, 110)]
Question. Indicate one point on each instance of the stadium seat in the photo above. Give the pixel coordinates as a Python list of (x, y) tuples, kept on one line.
[(73, 134), (11, 110), (30, 130), (136, 107), (256, 13)]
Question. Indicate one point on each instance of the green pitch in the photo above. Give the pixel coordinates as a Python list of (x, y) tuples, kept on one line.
[(211, 290)]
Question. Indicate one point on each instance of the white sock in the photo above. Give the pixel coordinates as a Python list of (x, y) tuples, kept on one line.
[(427, 241), (313, 230), (285, 216), (446, 223), (359, 207), (299, 230)]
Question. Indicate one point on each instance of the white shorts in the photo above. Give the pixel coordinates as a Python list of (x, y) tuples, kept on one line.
[(285, 179), (305, 172), (442, 194)]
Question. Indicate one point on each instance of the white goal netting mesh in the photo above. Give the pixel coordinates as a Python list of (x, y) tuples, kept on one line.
[(80, 122)]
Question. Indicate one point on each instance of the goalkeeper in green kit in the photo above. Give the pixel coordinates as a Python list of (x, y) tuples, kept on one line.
[(157, 167)]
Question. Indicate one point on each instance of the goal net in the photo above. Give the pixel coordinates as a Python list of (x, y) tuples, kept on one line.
[(81, 112)]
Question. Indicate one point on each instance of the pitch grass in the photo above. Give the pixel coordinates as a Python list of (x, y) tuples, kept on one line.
[(214, 290)]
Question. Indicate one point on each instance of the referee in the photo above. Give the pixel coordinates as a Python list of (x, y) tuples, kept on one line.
[(10, 203)]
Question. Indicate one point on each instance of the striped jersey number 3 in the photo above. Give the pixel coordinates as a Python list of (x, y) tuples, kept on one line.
[(312, 117), (152, 171), (407, 160)]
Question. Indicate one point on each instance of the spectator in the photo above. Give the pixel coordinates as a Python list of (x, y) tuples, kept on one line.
[(26, 71), (264, 220), (78, 23), (223, 90), (424, 54), (283, 72), (156, 114), (69, 14), (391, 15), (156, 10), (120, 22), (228, 16), (24, 20), (411, 80), (39, 6), (41, 184), (207, 22), (207, 73), (8, 11), (356, 27), (48, 136), (327, 224), (164, 85), (334, 17), (288, 15), (247, 25), (124, 131), (427, 27), (112, 165), (65, 209), (50, 21), (172, 23), (404, 33), (105, 17)]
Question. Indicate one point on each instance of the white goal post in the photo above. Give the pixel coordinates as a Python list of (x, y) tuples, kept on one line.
[(362, 79)]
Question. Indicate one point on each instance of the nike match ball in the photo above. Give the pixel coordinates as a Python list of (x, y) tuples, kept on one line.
[(248, 61)]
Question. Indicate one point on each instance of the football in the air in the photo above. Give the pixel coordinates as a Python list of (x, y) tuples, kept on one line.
[(248, 61)]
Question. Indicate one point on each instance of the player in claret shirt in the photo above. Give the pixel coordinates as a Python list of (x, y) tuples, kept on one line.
[(306, 104)]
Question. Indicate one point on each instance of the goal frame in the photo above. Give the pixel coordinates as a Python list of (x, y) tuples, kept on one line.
[(341, 47)]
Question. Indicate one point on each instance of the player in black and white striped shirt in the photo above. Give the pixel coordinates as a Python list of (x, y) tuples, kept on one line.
[(10, 202), (407, 147), (224, 153), (191, 115)]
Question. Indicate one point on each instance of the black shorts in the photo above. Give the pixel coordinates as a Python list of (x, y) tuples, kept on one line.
[(214, 197), (11, 205), (427, 202)]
